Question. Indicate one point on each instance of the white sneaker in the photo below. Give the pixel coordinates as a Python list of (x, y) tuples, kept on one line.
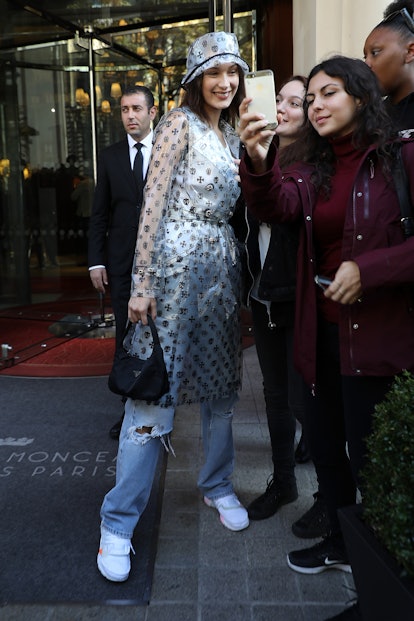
[(113, 556), (232, 513)]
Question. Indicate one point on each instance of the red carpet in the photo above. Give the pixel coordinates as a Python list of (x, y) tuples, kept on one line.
[(37, 351), (75, 358)]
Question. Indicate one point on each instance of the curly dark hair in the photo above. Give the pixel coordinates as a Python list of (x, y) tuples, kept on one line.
[(373, 125), (193, 99)]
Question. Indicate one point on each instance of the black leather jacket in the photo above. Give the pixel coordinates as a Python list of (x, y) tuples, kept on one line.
[(278, 278)]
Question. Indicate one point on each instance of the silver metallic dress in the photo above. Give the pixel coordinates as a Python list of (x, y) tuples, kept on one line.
[(187, 258)]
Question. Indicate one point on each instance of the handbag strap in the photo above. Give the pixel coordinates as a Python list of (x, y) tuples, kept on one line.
[(151, 324), (401, 184)]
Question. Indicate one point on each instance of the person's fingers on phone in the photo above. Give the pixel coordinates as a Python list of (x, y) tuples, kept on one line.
[(347, 283), (243, 109), (244, 106), (252, 122), (342, 293), (247, 118), (328, 293), (334, 291), (255, 131), (347, 297)]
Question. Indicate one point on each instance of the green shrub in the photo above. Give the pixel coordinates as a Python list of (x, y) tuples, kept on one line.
[(388, 479)]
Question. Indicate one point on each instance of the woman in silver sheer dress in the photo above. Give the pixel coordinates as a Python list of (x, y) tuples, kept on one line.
[(187, 277)]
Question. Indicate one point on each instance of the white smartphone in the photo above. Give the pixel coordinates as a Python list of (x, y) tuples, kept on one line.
[(260, 86)]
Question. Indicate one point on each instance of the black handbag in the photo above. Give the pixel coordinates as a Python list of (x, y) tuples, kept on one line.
[(134, 377)]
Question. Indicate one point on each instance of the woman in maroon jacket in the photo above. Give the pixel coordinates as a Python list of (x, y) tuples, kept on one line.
[(355, 329)]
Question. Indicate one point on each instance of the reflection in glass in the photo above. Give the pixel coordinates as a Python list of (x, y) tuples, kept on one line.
[(46, 152)]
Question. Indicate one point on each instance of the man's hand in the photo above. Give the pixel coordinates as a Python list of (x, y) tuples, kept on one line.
[(99, 279)]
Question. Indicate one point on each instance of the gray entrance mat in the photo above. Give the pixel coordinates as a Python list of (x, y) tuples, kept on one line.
[(56, 464)]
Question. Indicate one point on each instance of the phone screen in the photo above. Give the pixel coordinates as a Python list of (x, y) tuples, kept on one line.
[(260, 86)]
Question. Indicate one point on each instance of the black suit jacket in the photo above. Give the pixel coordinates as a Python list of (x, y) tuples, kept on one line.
[(115, 213)]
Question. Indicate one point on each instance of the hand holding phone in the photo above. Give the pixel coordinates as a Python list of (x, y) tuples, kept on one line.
[(322, 282), (260, 88)]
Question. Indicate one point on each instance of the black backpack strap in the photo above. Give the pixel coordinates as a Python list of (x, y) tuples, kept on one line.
[(402, 187)]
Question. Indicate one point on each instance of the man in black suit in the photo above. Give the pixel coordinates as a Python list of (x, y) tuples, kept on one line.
[(117, 204)]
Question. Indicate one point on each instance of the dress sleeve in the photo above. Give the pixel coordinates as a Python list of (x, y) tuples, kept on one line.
[(170, 146)]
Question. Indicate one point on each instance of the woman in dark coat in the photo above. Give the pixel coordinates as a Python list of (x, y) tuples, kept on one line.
[(355, 331), (271, 261)]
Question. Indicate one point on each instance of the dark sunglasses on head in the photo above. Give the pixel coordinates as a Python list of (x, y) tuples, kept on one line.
[(409, 21)]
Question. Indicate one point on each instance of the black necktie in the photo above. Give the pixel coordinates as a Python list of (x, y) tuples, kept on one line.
[(138, 164)]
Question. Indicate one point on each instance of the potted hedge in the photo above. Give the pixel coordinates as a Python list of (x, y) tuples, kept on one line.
[(380, 536)]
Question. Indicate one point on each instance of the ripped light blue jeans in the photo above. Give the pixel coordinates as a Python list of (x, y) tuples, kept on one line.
[(138, 456)]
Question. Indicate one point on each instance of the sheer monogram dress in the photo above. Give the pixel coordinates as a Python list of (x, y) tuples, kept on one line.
[(188, 260)]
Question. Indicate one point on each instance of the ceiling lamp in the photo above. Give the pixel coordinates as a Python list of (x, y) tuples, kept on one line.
[(106, 107), (116, 91), (98, 94), (79, 93)]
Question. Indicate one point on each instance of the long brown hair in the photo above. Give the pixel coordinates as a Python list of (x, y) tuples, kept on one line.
[(296, 151), (193, 99)]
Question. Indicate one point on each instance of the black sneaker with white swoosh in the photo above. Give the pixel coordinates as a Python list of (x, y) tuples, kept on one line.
[(329, 553)]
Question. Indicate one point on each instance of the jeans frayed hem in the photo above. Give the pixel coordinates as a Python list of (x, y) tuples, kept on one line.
[(223, 494), (117, 533)]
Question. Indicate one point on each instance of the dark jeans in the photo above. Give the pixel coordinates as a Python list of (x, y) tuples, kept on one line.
[(282, 387), (338, 418)]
